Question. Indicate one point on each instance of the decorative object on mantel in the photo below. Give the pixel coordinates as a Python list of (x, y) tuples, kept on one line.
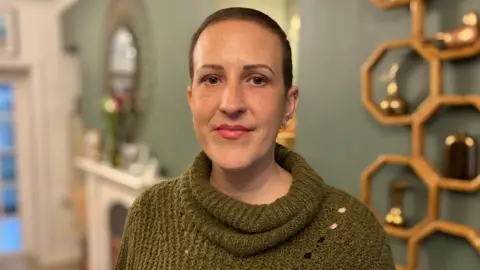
[(434, 181), (92, 144), (466, 35), (132, 153), (9, 41), (395, 216), (460, 157), (138, 161), (393, 104), (112, 108)]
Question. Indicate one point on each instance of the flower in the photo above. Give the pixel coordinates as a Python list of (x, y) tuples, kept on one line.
[(112, 105)]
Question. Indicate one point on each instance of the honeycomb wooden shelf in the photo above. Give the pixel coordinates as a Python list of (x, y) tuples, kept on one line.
[(367, 87), (426, 172), (469, 234), (387, 4), (450, 54)]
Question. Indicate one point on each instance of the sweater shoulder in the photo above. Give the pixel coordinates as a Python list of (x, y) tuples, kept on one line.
[(161, 194), (351, 212), (338, 199), (146, 221), (358, 233)]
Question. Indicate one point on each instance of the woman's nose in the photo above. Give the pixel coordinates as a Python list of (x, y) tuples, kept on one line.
[(232, 102)]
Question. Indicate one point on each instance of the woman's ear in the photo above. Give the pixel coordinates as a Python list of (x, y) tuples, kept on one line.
[(189, 96), (291, 103)]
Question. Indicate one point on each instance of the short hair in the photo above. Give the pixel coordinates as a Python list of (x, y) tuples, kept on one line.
[(251, 15)]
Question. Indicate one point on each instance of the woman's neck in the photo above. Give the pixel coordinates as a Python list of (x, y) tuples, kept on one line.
[(261, 183)]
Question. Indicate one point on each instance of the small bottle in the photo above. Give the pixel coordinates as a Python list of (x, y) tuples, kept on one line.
[(460, 157)]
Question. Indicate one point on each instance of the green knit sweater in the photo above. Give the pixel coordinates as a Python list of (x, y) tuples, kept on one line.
[(187, 224)]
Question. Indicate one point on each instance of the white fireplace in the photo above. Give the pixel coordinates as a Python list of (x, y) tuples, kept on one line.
[(108, 190)]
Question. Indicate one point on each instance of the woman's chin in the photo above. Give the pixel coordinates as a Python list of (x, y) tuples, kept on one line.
[(233, 157), (232, 163)]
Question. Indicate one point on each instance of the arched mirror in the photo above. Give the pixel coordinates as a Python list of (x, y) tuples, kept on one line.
[(123, 63), (123, 74)]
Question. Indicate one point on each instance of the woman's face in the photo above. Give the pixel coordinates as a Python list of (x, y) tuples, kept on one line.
[(237, 96)]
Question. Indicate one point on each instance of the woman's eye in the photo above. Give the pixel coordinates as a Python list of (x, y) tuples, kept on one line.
[(212, 80), (257, 81)]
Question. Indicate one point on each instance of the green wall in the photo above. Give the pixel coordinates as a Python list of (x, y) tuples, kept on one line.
[(335, 132), (169, 127)]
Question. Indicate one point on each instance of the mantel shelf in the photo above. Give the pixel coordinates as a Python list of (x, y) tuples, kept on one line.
[(108, 173)]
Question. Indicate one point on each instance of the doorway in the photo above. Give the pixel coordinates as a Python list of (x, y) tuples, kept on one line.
[(17, 155)]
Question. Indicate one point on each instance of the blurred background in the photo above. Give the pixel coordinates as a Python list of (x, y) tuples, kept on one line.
[(93, 110)]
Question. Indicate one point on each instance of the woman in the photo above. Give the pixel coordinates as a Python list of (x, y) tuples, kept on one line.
[(245, 202)]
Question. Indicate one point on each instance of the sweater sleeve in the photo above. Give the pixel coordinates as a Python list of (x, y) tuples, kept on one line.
[(124, 259), (123, 254)]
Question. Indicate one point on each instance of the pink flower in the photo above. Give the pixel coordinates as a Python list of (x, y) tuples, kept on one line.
[(113, 105)]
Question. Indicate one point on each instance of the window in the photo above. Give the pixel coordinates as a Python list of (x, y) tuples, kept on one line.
[(9, 222)]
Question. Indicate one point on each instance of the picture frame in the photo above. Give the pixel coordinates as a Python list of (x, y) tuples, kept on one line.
[(9, 41)]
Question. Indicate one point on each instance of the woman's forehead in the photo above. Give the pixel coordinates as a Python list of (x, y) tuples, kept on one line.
[(237, 42)]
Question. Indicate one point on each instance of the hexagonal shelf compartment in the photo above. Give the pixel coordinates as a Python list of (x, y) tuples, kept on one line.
[(426, 112), (470, 234), (424, 172), (367, 81), (459, 43)]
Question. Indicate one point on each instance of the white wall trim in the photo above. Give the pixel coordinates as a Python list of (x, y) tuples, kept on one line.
[(20, 75)]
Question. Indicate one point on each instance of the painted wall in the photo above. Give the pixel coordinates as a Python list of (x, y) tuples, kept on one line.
[(172, 23), (335, 132), (277, 9)]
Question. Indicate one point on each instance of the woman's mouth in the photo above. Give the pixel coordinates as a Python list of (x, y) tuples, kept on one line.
[(232, 132)]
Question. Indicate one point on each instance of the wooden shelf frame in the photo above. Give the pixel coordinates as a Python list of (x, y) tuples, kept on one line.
[(367, 81), (425, 173), (436, 99), (470, 234), (388, 4)]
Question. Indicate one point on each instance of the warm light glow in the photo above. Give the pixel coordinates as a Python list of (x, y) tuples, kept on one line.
[(450, 140), (295, 22)]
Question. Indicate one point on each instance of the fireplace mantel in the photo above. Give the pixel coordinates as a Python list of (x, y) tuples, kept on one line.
[(105, 172), (106, 187)]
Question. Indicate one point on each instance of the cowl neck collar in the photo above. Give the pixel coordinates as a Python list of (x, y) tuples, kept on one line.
[(244, 229)]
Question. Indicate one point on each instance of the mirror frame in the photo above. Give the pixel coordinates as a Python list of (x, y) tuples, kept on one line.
[(133, 15)]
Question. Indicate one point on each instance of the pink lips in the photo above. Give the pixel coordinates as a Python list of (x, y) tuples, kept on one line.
[(232, 132)]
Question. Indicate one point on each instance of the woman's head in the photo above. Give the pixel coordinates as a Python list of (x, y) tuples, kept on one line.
[(241, 86)]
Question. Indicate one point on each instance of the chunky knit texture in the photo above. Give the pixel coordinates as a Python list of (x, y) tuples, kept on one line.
[(187, 224)]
